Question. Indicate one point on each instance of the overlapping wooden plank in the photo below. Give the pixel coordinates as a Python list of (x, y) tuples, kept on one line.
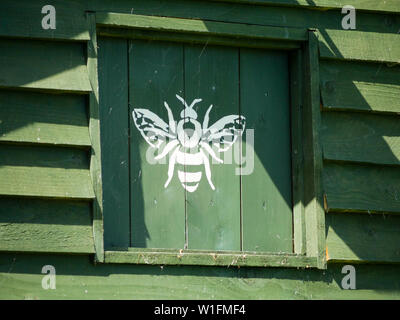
[(358, 45), (43, 118), (266, 169), (35, 225), (157, 212), (213, 215), (78, 278), (114, 115), (350, 187), (386, 6), (198, 26), (59, 66), (362, 237), (24, 19), (360, 86), (369, 138), (298, 17), (44, 172)]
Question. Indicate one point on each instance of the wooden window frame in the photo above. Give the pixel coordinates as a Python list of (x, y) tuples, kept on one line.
[(308, 213)]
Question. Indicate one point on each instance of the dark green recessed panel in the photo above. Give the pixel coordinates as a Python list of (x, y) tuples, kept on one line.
[(221, 210), (266, 190)]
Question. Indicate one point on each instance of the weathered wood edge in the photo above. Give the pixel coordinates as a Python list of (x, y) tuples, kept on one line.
[(199, 27), (299, 242), (185, 257), (390, 6), (94, 131), (315, 217)]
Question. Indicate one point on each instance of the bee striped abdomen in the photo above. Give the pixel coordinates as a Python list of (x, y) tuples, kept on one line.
[(190, 180)]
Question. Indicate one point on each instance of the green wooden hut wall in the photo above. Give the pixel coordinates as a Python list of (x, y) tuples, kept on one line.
[(50, 202)]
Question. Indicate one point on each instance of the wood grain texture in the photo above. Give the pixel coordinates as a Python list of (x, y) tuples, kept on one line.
[(114, 122), (28, 117), (213, 216), (198, 27), (368, 138), (58, 66), (44, 172), (30, 225), (363, 86), (266, 169), (357, 45), (23, 19), (78, 278), (226, 259), (350, 187), (275, 15), (362, 237)]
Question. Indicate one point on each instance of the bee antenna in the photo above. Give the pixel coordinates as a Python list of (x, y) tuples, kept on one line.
[(182, 100), (194, 102)]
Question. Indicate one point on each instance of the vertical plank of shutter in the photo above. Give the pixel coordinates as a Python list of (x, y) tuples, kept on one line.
[(114, 114), (211, 73), (157, 213), (299, 240), (266, 192)]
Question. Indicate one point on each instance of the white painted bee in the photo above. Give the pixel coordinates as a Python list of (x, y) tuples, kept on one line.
[(188, 147)]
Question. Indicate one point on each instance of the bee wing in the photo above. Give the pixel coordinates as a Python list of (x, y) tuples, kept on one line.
[(153, 129), (223, 133)]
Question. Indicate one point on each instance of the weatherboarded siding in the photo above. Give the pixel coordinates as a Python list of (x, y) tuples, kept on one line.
[(46, 192)]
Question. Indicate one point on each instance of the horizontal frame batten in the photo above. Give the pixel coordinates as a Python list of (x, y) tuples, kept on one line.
[(183, 257), (200, 27)]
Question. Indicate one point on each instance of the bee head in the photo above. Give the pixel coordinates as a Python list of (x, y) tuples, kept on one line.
[(188, 112)]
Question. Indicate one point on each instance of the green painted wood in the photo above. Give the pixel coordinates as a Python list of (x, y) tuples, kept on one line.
[(351, 85), (313, 196), (198, 27), (24, 19), (114, 121), (78, 278), (36, 225), (362, 237), (351, 187), (196, 39), (184, 257), (367, 138), (213, 216), (157, 213), (296, 94), (266, 190), (297, 17), (43, 118), (357, 45), (59, 66), (44, 172), (94, 131), (387, 6)]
